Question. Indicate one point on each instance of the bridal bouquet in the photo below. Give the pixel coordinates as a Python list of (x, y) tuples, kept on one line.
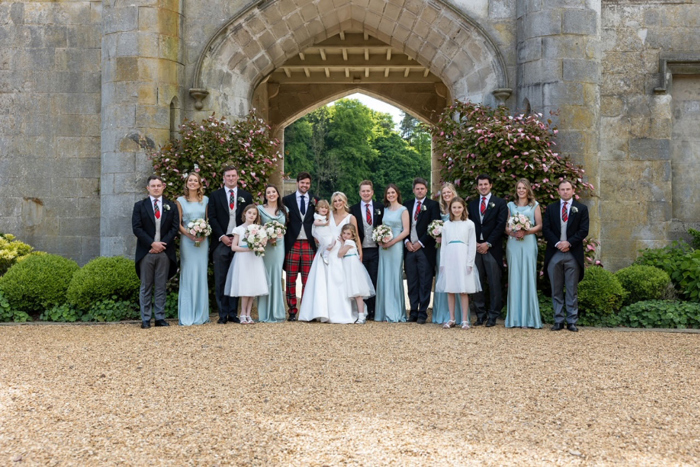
[(200, 228), (518, 222), (435, 229), (274, 230), (256, 238), (382, 234)]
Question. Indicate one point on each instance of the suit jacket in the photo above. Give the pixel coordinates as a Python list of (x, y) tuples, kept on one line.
[(357, 211), (576, 231), (430, 211), (219, 213), (296, 223), (493, 226), (143, 224)]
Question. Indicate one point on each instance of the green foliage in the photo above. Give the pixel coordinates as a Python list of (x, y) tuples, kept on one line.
[(7, 314), (104, 278), (208, 146), (171, 305), (38, 282), (65, 313), (546, 308), (687, 276), (474, 139), (680, 262), (661, 314), (643, 283), (695, 234), (600, 295), (11, 250), (112, 310)]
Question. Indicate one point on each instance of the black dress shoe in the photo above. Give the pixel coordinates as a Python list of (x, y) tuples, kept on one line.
[(292, 317), (234, 319), (558, 327), (370, 316), (412, 317), (222, 321), (161, 323), (145, 325), (490, 323), (420, 321), (479, 322), (572, 327)]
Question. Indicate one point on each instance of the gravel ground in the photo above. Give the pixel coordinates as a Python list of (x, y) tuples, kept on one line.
[(319, 394)]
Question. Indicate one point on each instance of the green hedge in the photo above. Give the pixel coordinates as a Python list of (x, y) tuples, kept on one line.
[(8, 314), (104, 278), (643, 283), (600, 295), (660, 314)]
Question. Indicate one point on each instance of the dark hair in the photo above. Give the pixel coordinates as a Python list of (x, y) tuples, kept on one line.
[(420, 181), (367, 182), (303, 176), (465, 214), (398, 194), (228, 168), (565, 180), (280, 204), (154, 177), (248, 208), (484, 177)]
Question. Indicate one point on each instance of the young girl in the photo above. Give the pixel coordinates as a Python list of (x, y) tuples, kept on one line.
[(322, 230), (246, 276), (457, 272), (357, 281)]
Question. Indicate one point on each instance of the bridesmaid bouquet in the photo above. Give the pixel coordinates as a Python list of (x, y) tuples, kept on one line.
[(382, 234), (275, 230), (200, 228), (256, 238), (435, 229), (518, 222)]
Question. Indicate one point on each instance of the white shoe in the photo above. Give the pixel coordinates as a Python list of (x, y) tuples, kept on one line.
[(361, 318)]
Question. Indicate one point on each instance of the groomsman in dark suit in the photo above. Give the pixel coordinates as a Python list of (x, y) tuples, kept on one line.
[(565, 226), (155, 222), (419, 255), (226, 207), (490, 215), (368, 215), (299, 244)]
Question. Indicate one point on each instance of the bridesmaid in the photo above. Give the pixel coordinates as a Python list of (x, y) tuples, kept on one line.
[(391, 301), (441, 312), (271, 307), (521, 254), (193, 296)]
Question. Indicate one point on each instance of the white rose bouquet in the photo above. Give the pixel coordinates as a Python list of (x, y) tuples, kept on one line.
[(256, 238), (435, 229), (382, 235), (275, 230), (200, 229), (518, 222)]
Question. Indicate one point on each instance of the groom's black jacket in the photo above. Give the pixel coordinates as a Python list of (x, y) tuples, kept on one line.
[(143, 224)]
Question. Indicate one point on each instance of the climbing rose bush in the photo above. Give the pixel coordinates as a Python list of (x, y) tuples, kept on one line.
[(208, 146)]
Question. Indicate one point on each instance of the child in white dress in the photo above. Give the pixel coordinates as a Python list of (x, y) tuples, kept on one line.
[(246, 276), (457, 272), (321, 229), (357, 281)]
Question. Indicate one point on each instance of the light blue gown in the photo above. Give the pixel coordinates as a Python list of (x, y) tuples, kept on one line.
[(391, 303), (193, 296), (441, 312), (521, 255), (271, 307)]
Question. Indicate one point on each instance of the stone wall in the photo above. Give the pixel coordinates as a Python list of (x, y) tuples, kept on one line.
[(50, 125)]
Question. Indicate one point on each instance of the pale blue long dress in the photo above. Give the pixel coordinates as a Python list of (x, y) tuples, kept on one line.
[(271, 306), (391, 302), (521, 255), (193, 296), (441, 312)]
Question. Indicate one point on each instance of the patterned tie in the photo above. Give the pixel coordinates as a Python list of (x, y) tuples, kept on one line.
[(232, 200), (483, 205), (564, 214), (415, 216), (155, 208), (302, 205), (368, 214)]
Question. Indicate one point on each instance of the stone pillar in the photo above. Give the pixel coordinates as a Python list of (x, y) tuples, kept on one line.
[(558, 67), (141, 69)]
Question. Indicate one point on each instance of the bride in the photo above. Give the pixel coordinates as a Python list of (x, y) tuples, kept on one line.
[(325, 297)]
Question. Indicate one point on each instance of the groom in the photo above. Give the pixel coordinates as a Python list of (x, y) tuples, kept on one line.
[(226, 207)]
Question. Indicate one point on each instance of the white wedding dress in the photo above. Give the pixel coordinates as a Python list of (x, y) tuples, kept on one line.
[(325, 296)]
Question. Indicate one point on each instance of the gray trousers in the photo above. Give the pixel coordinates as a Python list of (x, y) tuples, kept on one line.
[(489, 272), (563, 271), (154, 277)]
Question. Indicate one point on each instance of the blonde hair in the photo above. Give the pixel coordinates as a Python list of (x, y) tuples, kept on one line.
[(200, 190), (443, 205), (530, 193), (257, 213), (341, 195), (355, 236), (323, 204), (465, 214)]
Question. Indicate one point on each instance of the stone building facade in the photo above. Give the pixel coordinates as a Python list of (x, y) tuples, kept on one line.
[(89, 88)]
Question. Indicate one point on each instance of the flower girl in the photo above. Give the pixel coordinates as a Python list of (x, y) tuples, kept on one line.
[(457, 272), (357, 281), (321, 229), (246, 277)]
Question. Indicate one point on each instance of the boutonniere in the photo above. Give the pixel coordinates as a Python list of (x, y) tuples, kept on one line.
[(241, 199), (166, 207), (492, 205), (313, 201), (377, 212), (574, 209), (423, 208)]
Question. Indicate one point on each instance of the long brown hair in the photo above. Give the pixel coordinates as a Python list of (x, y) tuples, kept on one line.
[(257, 213), (530, 193), (465, 214), (398, 194), (280, 205), (200, 190)]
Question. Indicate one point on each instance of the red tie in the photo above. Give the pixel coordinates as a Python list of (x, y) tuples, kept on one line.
[(368, 214), (232, 201), (564, 214), (415, 216), (155, 208), (483, 205)]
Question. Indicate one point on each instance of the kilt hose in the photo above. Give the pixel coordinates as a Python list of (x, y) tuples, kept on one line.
[(298, 260)]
